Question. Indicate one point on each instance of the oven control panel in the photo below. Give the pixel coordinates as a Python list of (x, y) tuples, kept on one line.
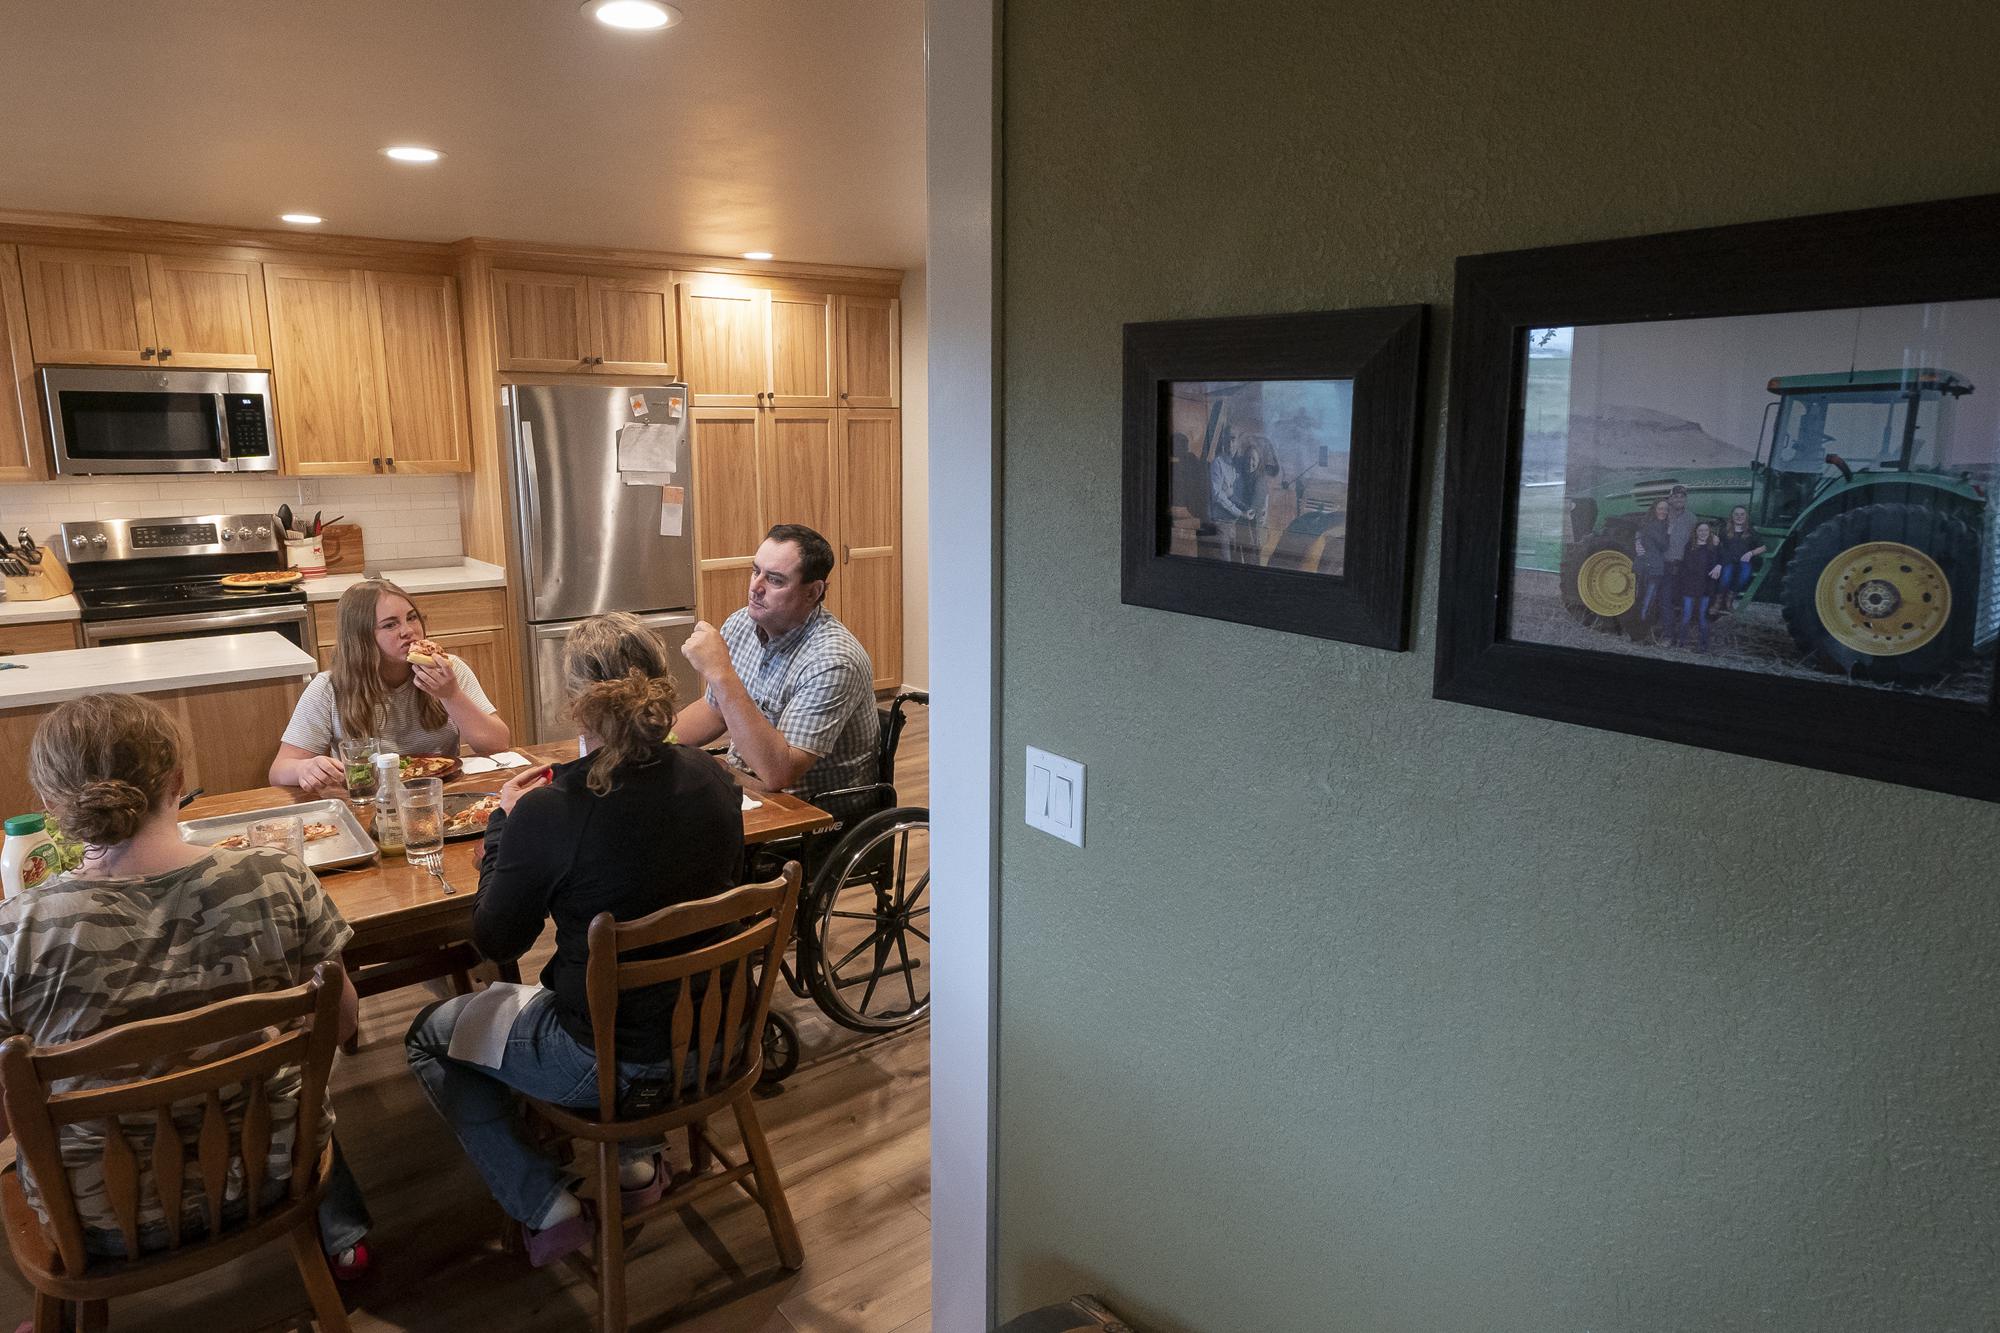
[(152, 538)]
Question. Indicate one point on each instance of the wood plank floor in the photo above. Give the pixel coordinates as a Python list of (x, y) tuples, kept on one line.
[(850, 1132)]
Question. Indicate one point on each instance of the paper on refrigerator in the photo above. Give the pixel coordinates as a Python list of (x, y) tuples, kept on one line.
[(647, 451)]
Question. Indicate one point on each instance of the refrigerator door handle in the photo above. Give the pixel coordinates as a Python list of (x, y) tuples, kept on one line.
[(531, 499)]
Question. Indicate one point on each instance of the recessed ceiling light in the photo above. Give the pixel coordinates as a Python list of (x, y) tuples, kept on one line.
[(633, 15), (412, 153), (756, 254), (301, 219)]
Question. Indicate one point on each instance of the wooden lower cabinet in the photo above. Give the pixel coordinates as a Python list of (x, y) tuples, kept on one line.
[(232, 733), (51, 636), (490, 654)]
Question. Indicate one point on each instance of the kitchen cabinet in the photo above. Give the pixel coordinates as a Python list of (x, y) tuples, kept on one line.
[(21, 452), (120, 308), (750, 345), (368, 371), (868, 351), (729, 510), (325, 370), (49, 636), (571, 322), (839, 473), (867, 588), (420, 371)]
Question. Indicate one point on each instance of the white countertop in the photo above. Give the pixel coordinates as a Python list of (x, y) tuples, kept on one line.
[(460, 577), (37, 613), (150, 668)]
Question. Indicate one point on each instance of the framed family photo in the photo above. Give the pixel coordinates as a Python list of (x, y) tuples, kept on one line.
[(1269, 469), (1732, 487)]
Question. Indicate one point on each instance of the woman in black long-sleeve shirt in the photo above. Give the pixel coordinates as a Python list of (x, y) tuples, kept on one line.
[(636, 825)]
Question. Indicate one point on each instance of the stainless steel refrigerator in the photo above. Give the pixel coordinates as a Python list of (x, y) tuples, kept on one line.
[(594, 525)]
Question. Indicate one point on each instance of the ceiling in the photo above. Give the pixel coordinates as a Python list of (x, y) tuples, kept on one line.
[(794, 126)]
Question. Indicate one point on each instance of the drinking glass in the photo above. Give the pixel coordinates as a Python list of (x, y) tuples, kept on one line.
[(357, 756), (422, 807), (287, 833)]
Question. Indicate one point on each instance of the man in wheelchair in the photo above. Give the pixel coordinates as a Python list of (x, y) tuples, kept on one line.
[(787, 681)]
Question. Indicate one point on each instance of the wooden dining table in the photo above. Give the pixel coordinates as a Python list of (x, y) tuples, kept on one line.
[(410, 925)]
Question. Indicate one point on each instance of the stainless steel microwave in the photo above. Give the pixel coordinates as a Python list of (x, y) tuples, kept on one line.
[(116, 420)]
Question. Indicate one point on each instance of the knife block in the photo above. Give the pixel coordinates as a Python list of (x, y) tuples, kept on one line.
[(45, 582)]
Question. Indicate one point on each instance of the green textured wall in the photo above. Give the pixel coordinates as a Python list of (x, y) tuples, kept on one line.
[(1365, 1011)]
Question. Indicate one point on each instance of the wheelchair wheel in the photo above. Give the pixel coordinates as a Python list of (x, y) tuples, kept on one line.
[(870, 918), (781, 1050)]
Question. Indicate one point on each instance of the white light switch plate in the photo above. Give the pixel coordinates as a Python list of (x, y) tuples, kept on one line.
[(1055, 795)]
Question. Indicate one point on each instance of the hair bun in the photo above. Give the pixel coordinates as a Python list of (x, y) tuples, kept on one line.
[(108, 810)]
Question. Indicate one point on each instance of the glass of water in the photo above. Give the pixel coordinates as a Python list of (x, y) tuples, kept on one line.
[(357, 756), (287, 833), (422, 807)]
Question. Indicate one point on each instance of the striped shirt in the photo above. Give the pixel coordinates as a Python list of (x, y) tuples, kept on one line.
[(316, 725), (815, 684)]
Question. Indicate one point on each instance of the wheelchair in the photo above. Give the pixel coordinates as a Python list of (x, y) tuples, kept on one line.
[(862, 944)]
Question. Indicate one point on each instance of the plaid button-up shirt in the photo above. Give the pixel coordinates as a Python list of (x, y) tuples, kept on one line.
[(816, 686)]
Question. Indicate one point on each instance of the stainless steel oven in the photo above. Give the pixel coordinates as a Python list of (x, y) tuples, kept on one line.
[(294, 622), (121, 420)]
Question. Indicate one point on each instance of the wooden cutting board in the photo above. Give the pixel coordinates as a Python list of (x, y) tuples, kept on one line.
[(342, 544)]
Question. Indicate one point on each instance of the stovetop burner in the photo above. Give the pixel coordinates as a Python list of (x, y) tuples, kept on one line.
[(121, 602)]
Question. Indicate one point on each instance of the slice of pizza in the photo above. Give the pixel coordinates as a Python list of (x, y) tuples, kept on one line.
[(235, 842), (321, 832), (425, 652)]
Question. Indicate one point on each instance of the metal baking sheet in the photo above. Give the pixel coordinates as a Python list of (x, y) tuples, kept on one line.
[(350, 847)]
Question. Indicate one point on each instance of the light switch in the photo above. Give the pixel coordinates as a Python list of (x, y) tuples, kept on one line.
[(1055, 795)]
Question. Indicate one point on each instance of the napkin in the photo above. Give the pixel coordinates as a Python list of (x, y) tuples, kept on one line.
[(749, 804), (479, 1035), (476, 764)]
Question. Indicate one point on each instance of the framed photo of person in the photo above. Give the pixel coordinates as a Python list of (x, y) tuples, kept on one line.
[(1733, 488), (1270, 470)]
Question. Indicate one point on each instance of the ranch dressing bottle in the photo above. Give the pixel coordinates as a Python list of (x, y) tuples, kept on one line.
[(388, 785), (29, 857)]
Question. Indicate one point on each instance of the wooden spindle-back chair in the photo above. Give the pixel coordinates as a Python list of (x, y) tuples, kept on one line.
[(717, 1052), (297, 1027)]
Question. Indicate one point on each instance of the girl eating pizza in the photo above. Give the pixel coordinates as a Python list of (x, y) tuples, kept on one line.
[(387, 681)]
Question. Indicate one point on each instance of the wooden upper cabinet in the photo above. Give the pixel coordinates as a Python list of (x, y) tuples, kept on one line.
[(869, 353), (542, 320), (419, 369), (801, 348), (867, 585), (634, 327), (567, 322), (21, 454), (88, 307), (209, 312), (325, 369), (724, 347)]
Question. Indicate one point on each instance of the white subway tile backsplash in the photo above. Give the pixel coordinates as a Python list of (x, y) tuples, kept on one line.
[(412, 519)]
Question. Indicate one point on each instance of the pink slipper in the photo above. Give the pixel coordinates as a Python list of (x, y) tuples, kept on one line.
[(649, 1193), (552, 1243)]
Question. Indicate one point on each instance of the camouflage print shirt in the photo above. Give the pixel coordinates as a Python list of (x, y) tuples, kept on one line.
[(80, 955)]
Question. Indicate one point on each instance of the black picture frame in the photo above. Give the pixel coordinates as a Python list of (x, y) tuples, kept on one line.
[(1938, 251), (1381, 350)]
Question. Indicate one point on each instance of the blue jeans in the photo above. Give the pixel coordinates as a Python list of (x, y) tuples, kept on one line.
[(1699, 614), (541, 1060), (343, 1217), (1736, 576)]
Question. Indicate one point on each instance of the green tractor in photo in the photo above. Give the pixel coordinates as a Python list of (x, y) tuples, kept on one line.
[(1872, 544)]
